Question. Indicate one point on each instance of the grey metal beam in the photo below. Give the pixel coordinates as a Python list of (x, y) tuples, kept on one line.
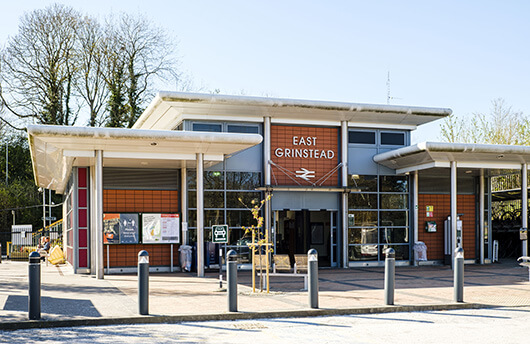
[(481, 214), (524, 205), (453, 209), (99, 214), (200, 215)]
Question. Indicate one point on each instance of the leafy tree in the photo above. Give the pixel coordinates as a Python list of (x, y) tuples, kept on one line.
[(39, 69), (502, 125)]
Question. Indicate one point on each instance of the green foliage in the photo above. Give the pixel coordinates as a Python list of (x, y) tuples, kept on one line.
[(502, 125), (20, 193)]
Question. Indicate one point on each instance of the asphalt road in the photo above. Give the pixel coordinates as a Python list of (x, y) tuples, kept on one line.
[(502, 325)]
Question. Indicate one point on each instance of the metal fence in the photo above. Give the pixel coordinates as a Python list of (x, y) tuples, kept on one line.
[(18, 244)]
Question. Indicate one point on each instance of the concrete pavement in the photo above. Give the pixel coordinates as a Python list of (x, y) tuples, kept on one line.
[(70, 300)]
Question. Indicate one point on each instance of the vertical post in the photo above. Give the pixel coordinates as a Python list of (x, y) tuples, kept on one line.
[(524, 205), (43, 208), (481, 215), (312, 270), (344, 183), (184, 203), (7, 163), (34, 286), (453, 207), (415, 204), (220, 266), (99, 214), (231, 279), (390, 276), (50, 206), (459, 275), (143, 282), (267, 168), (200, 215)]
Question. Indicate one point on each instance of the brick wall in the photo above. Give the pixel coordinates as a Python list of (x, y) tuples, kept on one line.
[(287, 141), (442, 208), (140, 201)]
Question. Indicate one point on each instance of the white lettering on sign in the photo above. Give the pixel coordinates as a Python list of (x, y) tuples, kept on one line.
[(304, 153), (304, 141)]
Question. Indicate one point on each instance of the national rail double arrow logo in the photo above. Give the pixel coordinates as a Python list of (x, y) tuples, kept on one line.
[(305, 174)]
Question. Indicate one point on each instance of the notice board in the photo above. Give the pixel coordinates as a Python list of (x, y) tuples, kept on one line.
[(120, 229), (160, 228)]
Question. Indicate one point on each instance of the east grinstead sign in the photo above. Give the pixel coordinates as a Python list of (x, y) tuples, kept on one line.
[(304, 155)]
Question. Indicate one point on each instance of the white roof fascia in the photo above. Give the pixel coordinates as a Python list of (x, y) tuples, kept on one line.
[(280, 108)]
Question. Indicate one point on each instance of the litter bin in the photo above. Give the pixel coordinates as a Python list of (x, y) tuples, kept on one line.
[(420, 251), (185, 257)]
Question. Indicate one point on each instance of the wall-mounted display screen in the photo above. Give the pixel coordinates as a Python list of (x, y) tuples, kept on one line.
[(160, 228), (120, 229)]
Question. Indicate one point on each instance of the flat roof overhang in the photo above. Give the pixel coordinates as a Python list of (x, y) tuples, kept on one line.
[(56, 149), (427, 155), (168, 109)]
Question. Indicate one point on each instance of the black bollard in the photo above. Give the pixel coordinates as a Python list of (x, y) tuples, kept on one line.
[(231, 279), (312, 270), (459, 275), (390, 276), (143, 282), (34, 286)]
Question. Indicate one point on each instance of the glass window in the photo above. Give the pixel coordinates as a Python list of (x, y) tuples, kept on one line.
[(394, 235), (213, 180), (214, 199), (394, 139), (362, 218), (394, 218), (247, 199), (213, 217), (192, 199), (366, 183), (192, 218), (363, 252), (238, 218), (242, 180), (394, 201), (362, 201), (207, 127), (235, 128), (191, 178), (362, 137), (402, 251), (366, 235), (394, 184)]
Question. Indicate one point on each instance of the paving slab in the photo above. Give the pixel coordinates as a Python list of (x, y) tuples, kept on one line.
[(180, 296)]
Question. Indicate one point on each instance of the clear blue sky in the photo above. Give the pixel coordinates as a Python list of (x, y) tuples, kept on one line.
[(456, 54)]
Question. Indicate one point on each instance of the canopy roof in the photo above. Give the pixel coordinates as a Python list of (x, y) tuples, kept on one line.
[(168, 109), (56, 149), (467, 155)]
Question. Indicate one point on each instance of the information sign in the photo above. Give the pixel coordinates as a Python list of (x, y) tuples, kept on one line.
[(220, 234), (160, 228)]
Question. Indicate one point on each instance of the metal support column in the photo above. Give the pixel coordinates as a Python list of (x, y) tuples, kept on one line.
[(344, 184), (98, 210), (481, 215), (453, 209), (184, 204), (200, 215), (267, 169), (524, 205), (415, 205)]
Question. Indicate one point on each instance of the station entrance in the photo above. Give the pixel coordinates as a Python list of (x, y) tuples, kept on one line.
[(297, 231)]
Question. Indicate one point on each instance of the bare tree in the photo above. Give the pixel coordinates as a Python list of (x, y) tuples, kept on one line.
[(147, 53), (91, 61), (38, 67), (502, 125)]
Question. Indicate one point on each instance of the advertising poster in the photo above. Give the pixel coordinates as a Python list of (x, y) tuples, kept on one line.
[(160, 228), (111, 228)]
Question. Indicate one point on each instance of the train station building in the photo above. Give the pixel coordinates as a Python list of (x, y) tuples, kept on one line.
[(344, 179)]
